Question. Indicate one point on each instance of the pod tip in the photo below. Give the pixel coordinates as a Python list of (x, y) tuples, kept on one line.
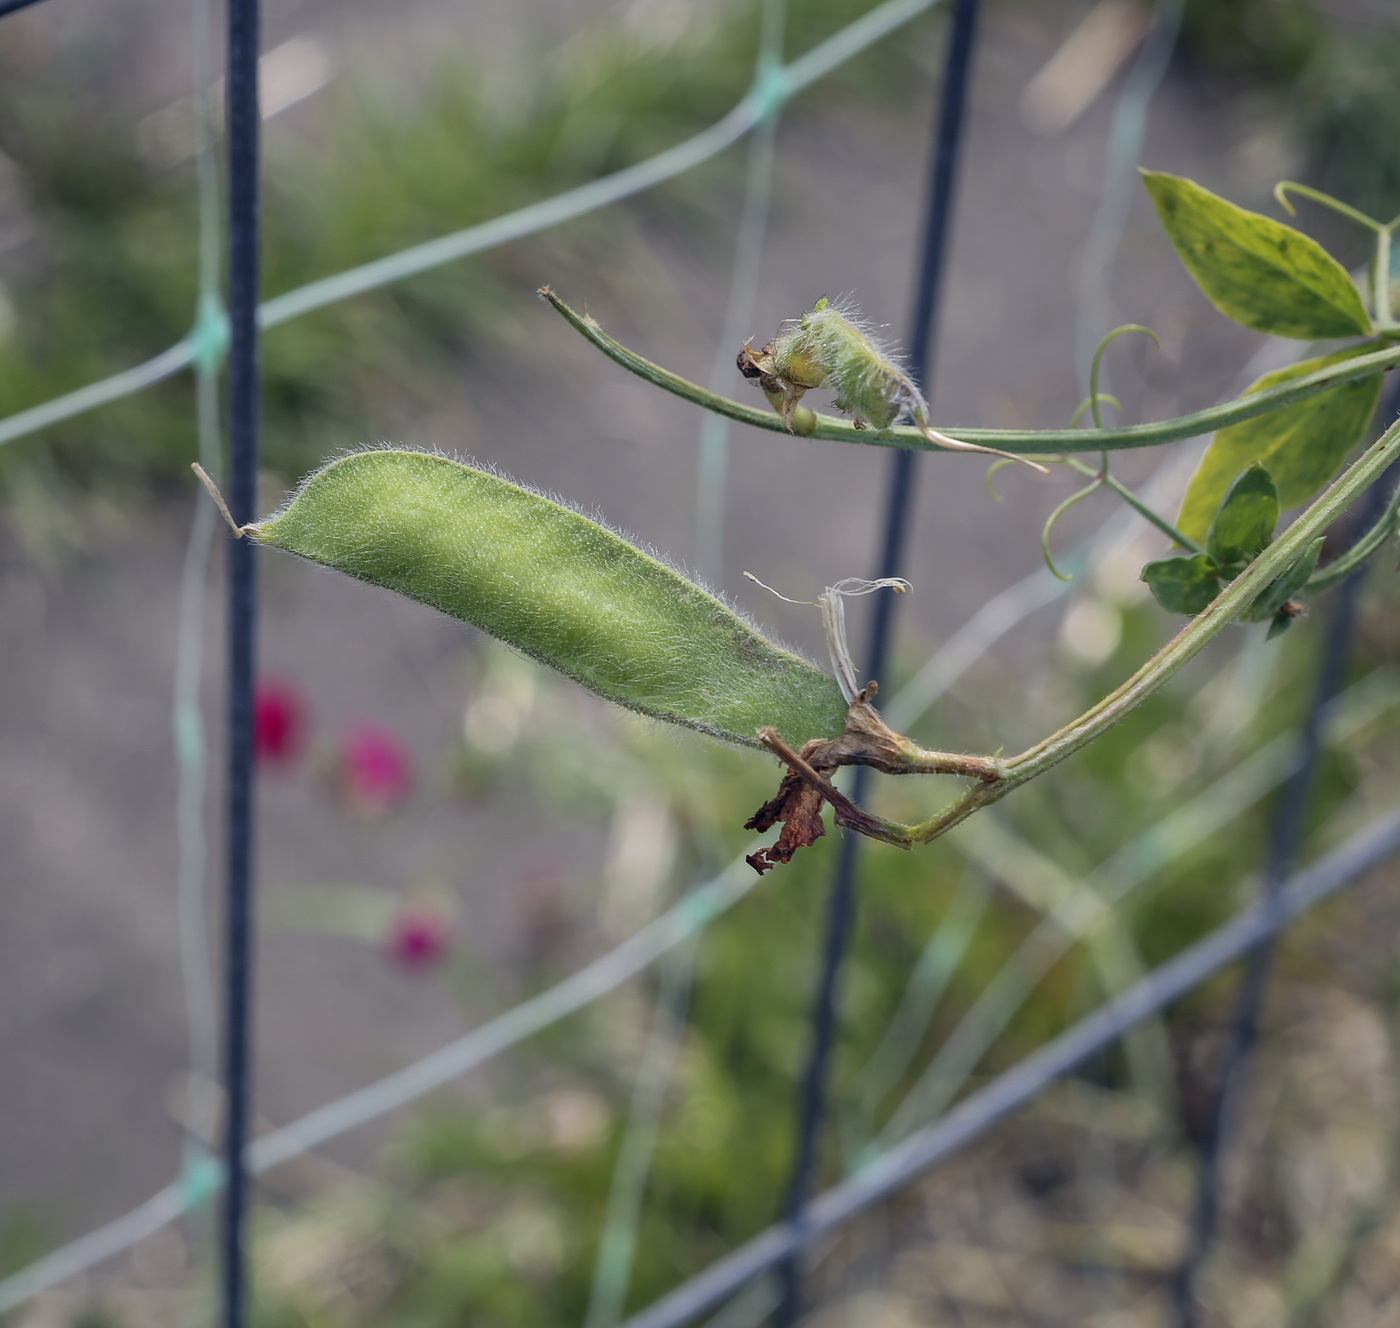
[(213, 490)]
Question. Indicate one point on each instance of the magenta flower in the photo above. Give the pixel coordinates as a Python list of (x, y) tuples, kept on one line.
[(376, 771), (279, 722), (419, 937)]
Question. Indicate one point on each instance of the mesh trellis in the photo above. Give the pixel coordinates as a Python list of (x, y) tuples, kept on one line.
[(902, 1158)]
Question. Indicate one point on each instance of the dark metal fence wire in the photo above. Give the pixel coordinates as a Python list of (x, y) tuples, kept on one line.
[(244, 126), (899, 501), (780, 1247)]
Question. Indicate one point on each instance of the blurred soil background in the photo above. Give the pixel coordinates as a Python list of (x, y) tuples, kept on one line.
[(527, 828)]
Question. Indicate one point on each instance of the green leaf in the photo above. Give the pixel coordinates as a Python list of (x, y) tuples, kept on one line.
[(1256, 270), (1183, 585), (1302, 445), (1245, 522), (1275, 595)]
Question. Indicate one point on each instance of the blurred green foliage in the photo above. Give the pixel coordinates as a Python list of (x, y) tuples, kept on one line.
[(22, 1239), (1329, 74), (105, 275), (1271, 40), (494, 1212)]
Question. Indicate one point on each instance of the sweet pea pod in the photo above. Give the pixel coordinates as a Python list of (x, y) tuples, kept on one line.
[(557, 586)]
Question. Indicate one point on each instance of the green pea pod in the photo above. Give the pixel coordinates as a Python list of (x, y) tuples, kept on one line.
[(557, 586)]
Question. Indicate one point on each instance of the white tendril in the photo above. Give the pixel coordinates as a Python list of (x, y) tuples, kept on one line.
[(833, 607), (778, 593)]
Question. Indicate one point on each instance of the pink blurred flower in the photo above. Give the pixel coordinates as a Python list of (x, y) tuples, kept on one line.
[(419, 937), (279, 722), (376, 771)]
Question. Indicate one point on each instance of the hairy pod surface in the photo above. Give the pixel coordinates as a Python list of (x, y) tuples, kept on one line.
[(557, 586), (829, 347)]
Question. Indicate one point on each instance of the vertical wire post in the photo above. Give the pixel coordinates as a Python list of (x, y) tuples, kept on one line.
[(902, 473), (244, 125)]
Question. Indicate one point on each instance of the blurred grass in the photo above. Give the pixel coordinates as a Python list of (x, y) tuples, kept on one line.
[(1326, 74), (103, 273), (106, 274), (492, 1210)]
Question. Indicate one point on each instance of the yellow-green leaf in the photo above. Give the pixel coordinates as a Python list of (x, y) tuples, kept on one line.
[(1302, 445), (1256, 270)]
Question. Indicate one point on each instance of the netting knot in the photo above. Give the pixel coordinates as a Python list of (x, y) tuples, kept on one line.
[(209, 337), (771, 89), (200, 1180)]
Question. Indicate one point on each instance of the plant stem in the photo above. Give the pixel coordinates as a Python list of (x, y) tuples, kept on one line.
[(1089, 401), (1094, 394), (1385, 318), (1286, 187), (1187, 643), (1341, 568), (1094, 487), (1380, 272), (1029, 442), (1136, 503)]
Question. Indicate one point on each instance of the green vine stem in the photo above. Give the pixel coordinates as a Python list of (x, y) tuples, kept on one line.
[(1285, 187), (1028, 442), (1097, 483), (1187, 643), (1094, 395), (1089, 401), (1380, 265), (1136, 503), (1101, 477), (1341, 568)]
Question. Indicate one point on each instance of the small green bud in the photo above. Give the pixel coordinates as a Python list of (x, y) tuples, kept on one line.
[(833, 347), (1276, 599)]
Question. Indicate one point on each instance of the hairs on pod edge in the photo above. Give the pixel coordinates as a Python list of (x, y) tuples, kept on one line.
[(595, 516)]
